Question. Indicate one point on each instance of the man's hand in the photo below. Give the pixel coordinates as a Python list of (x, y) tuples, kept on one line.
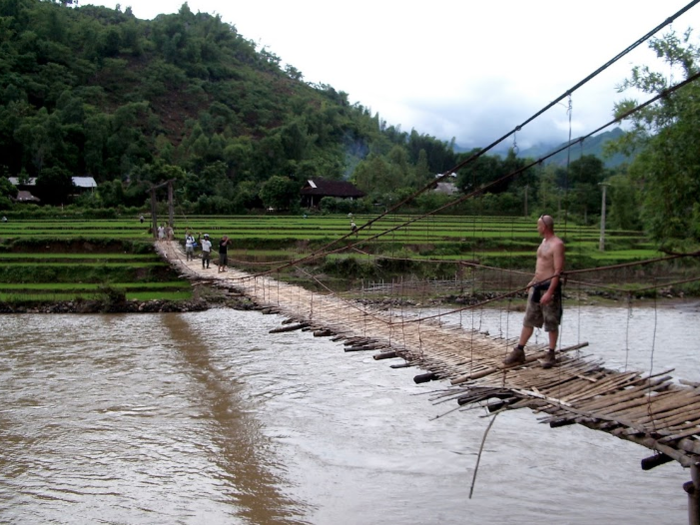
[(546, 298)]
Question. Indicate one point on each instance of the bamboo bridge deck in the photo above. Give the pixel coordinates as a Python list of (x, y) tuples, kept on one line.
[(655, 411)]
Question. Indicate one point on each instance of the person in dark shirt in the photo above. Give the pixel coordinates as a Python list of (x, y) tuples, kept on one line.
[(223, 253)]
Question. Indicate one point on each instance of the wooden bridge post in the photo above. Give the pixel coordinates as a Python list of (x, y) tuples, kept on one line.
[(154, 217), (692, 488)]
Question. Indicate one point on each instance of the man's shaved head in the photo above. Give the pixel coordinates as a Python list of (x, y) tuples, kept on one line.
[(548, 221)]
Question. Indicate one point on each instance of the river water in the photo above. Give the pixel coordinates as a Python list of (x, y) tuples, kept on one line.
[(207, 418)]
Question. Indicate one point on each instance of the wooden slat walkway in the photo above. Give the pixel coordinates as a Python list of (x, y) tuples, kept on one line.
[(654, 411)]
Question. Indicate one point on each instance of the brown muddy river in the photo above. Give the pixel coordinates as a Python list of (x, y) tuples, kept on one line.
[(207, 418)]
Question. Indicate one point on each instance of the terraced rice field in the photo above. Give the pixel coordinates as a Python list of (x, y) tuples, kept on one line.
[(56, 259), (65, 260)]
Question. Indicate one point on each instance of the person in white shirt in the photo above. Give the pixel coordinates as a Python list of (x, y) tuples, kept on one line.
[(206, 250), (189, 246)]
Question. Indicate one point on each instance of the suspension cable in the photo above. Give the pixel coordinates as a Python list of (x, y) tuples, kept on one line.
[(482, 151), (324, 250)]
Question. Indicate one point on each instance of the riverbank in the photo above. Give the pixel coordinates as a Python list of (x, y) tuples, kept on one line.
[(209, 297)]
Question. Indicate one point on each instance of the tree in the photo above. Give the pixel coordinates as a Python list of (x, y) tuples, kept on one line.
[(279, 193), (54, 185), (479, 172), (583, 193), (8, 191), (667, 170), (111, 193), (376, 174), (247, 196), (624, 209)]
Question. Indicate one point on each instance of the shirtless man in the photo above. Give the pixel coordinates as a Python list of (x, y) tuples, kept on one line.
[(544, 296)]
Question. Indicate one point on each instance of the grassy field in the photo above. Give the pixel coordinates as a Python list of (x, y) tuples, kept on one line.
[(49, 261), (55, 259), (433, 230)]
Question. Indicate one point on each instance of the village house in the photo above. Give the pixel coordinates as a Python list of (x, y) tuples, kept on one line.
[(315, 189), (24, 194), (448, 187)]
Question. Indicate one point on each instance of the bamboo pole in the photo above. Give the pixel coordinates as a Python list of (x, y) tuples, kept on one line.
[(692, 488)]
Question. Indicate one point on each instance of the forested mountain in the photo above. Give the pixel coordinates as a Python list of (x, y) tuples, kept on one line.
[(95, 91)]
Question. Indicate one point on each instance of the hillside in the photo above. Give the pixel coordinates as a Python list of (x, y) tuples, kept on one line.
[(95, 91)]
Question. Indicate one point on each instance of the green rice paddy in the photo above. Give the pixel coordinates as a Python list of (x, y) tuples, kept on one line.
[(64, 258)]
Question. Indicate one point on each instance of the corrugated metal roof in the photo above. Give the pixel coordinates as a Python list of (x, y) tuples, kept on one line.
[(79, 182), (84, 182)]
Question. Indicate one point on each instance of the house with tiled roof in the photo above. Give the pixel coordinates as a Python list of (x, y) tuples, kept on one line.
[(315, 189)]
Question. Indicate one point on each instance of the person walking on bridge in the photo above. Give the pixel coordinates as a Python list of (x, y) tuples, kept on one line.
[(205, 243), (223, 253), (189, 246), (544, 306)]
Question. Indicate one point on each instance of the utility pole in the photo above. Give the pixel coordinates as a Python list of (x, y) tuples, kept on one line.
[(601, 246)]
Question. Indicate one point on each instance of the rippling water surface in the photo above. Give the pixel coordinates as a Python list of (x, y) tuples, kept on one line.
[(207, 418)]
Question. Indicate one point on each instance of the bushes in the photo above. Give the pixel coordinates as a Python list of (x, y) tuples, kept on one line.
[(349, 268), (206, 205), (353, 268), (344, 206)]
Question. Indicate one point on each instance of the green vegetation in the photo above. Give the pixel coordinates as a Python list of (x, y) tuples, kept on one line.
[(666, 172), (91, 90), (184, 97), (53, 261), (108, 258)]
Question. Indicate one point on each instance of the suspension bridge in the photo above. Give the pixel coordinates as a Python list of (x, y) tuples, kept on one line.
[(655, 411)]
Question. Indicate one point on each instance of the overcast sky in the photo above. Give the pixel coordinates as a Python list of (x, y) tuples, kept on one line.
[(468, 70)]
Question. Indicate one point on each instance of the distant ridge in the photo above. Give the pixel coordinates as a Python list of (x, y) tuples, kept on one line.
[(591, 146)]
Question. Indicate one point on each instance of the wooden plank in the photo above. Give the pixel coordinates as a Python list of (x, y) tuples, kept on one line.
[(618, 399), (529, 359), (654, 407), (606, 386), (565, 382), (652, 444), (677, 415), (691, 428), (634, 408), (631, 379)]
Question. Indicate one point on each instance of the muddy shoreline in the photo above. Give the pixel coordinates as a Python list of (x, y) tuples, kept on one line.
[(214, 298)]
